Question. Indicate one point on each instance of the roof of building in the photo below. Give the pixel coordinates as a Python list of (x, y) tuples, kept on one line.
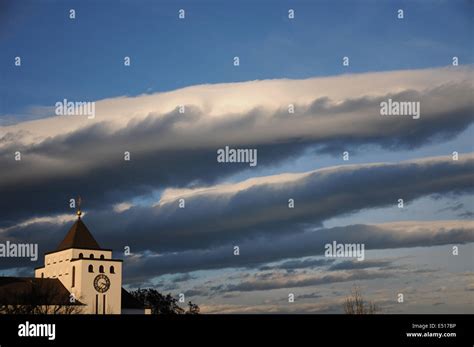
[(34, 291), (47, 291), (78, 237)]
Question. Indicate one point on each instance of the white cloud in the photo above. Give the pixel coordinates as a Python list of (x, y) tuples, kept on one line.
[(226, 100), (169, 149)]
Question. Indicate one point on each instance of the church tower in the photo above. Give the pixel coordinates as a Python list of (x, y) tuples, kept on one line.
[(88, 271)]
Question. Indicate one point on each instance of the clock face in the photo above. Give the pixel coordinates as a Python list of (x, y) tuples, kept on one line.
[(101, 283)]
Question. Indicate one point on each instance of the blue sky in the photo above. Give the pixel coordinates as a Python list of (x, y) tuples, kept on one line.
[(83, 58)]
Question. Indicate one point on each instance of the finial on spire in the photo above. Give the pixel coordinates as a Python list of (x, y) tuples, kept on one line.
[(79, 212)]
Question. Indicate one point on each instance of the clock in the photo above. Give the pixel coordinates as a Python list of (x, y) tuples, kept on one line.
[(101, 283)]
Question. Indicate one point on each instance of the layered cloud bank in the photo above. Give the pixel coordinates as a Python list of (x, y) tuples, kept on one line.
[(64, 156), (298, 245), (254, 215)]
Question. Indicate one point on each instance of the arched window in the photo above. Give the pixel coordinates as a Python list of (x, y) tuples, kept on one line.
[(73, 276), (112, 270), (42, 275), (91, 256), (91, 268), (101, 256), (81, 255), (101, 269)]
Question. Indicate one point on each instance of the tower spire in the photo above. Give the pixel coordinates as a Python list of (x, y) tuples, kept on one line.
[(79, 212)]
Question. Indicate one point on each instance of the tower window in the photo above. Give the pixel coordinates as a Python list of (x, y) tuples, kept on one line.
[(73, 276), (81, 255), (91, 268), (112, 270), (91, 256), (42, 275), (101, 256), (101, 269)]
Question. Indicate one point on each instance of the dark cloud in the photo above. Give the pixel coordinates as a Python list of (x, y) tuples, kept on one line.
[(354, 264), (212, 218), (204, 233), (314, 280), (178, 150), (311, 243), (467, 215), (197, 292), (297, 264), (182, 278), (454, 207), (310, 296)]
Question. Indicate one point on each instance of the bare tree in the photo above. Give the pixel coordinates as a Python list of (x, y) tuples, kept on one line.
[(355, 303)]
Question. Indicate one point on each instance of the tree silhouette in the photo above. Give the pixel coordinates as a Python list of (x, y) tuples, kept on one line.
[(193, 308), (162, 304), (355, 303)]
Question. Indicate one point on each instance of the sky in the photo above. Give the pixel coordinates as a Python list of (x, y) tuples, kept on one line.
[(283, 61)]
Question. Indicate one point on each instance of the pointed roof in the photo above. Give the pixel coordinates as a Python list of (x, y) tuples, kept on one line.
[(34, 291), (78, 237)]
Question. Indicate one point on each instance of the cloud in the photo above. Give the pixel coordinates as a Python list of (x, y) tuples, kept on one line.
[(351, 264), (310, 296), (333, 306), (64, 156), (303, 280), (297, 264), (182, 278), (253, 212), (196, 292), (469, 287), (257, 207), (311, 243)]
